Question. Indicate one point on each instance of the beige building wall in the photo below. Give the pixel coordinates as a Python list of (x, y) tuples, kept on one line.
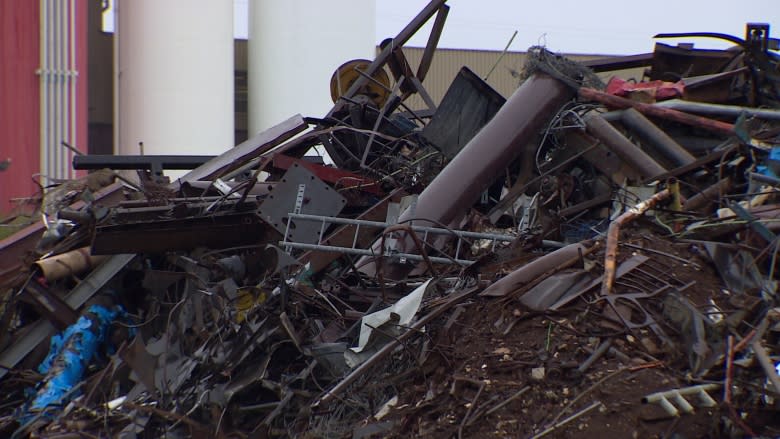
[(505, 78)]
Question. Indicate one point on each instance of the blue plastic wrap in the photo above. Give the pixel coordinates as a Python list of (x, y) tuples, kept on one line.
[(71, 353)]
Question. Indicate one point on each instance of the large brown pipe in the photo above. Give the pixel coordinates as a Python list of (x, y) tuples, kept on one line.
[(637, 122), (528, 272), (613, 139), (708, 196), (483, 159)]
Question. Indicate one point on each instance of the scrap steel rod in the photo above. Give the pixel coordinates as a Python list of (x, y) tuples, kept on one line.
[(637, 122), (613, 237), (657, 111), (613, 139)]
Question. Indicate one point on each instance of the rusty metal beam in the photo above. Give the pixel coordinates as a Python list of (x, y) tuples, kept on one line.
[(613, 237), (657, 111), (159, 236), (51, 306)]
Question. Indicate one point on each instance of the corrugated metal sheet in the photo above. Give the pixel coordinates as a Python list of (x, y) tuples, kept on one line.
[(504, 79), (446, 64)]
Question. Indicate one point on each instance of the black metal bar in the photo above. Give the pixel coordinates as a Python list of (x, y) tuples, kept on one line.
[(433, 41), (99, 161)]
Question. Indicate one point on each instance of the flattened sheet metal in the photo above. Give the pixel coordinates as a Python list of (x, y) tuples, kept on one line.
[(300, 191), (240, 154), (467, 106)]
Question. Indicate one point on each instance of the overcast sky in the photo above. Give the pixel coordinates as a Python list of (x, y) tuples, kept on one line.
[(570, 26)]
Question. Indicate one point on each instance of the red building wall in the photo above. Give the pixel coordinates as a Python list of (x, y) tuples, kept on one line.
[(20, 95), (19, 99)]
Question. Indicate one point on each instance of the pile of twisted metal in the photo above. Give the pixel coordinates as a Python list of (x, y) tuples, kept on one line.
[(578, 259)]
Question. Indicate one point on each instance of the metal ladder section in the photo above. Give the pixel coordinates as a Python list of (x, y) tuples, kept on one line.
[(327, 221)]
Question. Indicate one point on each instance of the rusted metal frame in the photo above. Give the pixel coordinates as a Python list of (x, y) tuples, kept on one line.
[(637, 122), (727, 383), (252, 182), (619, 63), (599, 128), (433, 42), (15, 248), (248, 150), (613, 236), (658, 111), (390, 347)]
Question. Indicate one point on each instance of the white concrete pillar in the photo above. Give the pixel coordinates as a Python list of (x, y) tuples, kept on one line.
[(294, 48), (175, 76)]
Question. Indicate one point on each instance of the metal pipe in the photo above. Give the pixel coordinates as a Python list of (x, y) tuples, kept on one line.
[(42, 83), (54, 172), (657, 111), (613, 237), (367, 252), (707, 196), (662, 398), (657, 137), (477, 165), (432, 230), (533, 270), (719, 110), (766, 364), (599, 128), (772, 181), (603, 347), (73, 76)]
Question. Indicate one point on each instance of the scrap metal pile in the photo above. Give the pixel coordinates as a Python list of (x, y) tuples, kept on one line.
[(580, 258)]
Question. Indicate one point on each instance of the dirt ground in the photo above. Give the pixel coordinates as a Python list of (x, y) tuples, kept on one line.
[(499, 370)]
